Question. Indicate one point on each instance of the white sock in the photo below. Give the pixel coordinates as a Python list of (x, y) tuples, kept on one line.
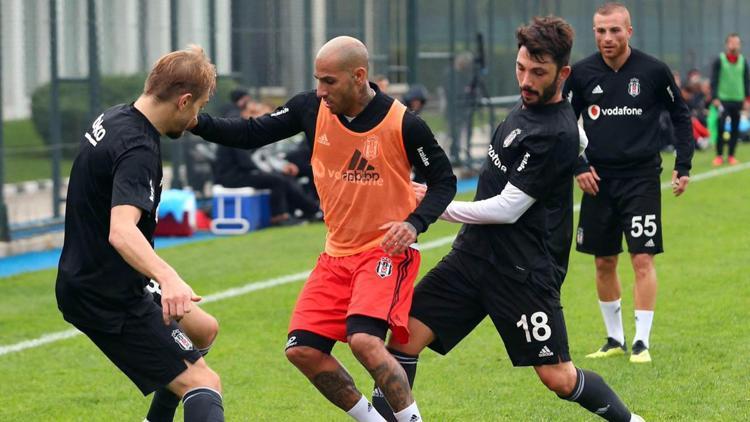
[(410, 414), (612, 314), (643, 320), (364, 412)]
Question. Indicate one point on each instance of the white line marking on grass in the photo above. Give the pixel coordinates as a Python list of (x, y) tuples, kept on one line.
[(45, 339), (267, 284)]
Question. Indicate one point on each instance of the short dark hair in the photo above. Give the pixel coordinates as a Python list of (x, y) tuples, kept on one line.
[(547, 35), (732, 35)]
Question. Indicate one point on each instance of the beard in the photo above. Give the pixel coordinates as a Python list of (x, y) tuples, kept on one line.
[(542, 98)]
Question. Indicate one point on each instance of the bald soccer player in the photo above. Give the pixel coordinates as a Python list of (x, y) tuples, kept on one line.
[(364, 145)]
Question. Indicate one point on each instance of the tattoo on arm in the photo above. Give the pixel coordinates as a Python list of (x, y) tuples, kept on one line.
[(338, 387)]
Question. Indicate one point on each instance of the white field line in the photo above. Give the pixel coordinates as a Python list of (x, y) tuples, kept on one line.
[(267, 284)]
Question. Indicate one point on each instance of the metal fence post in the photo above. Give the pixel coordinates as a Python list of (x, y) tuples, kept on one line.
[(176, 146), (4, 230), (451, 94), (54, 107), (142, 36), (412, 42), (212, 33), (94, 77)]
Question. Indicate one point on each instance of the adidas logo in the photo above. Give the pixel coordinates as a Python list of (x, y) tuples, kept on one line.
[(650, 243), (597, 90), (415, 418), (361, 171), (602, 410), (545, 352), (323, 140)]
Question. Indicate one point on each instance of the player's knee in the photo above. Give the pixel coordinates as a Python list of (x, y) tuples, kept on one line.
[(368, 349), (212, 330), (303, 356), (643, 263), (606, 264), (196, 375), (558, 380)]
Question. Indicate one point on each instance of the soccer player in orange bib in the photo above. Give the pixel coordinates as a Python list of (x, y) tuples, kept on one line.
[(364, 145)]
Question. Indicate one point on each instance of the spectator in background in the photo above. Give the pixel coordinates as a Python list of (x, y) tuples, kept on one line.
[(694, 95), (695, 98), (456, 87), (236, 168), (730, 84), (415, 98), (239, 98)]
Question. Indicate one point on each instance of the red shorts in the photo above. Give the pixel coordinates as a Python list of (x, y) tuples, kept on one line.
[(370, 283)]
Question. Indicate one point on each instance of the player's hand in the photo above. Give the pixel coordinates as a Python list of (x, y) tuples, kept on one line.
[(588, 182), (679, 184), (176, 299), (400, 235), (419, 190)]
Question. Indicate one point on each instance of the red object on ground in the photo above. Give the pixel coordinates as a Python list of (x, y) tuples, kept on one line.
[(168, 226), (202, 221)]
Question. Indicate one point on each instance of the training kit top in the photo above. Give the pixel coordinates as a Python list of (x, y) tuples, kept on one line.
[(119, 163), (301, 114), (621, 112), (535, 149)]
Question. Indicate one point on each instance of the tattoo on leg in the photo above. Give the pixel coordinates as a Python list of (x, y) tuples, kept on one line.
[(338, 387), (391, 379)]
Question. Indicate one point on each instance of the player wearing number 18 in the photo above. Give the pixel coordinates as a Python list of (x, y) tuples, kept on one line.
[(511, 255)]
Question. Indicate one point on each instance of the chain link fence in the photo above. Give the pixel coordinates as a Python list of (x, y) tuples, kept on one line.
[(64, 61)]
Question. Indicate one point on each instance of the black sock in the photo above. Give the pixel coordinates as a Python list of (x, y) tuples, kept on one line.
[(163, 406), (594, 395), (409, 363), (165, 402), (203, 405)]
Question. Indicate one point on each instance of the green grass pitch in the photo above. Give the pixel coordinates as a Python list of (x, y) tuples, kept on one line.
[(700, 340)]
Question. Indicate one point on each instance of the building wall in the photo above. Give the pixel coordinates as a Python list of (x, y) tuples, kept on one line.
[(121, 33)]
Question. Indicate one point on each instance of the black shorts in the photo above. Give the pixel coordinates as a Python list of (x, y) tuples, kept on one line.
[(456, 295), (630, 206), (150, 353)]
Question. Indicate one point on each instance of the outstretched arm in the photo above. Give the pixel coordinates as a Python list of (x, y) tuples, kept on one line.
[(284, 122), (505, 208)]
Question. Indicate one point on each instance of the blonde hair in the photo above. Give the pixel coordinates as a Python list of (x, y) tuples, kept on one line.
[(613, 7), (181, 72)]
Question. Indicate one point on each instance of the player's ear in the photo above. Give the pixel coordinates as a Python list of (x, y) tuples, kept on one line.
[(184, 100), (564, 73), (360, 75)]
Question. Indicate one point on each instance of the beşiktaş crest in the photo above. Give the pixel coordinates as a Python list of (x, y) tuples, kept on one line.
[(634, 87), (511, 136), (371, 147), (384, 267), (181, 339)]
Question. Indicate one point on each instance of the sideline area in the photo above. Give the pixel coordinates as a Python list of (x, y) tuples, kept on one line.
[(43, 260)]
